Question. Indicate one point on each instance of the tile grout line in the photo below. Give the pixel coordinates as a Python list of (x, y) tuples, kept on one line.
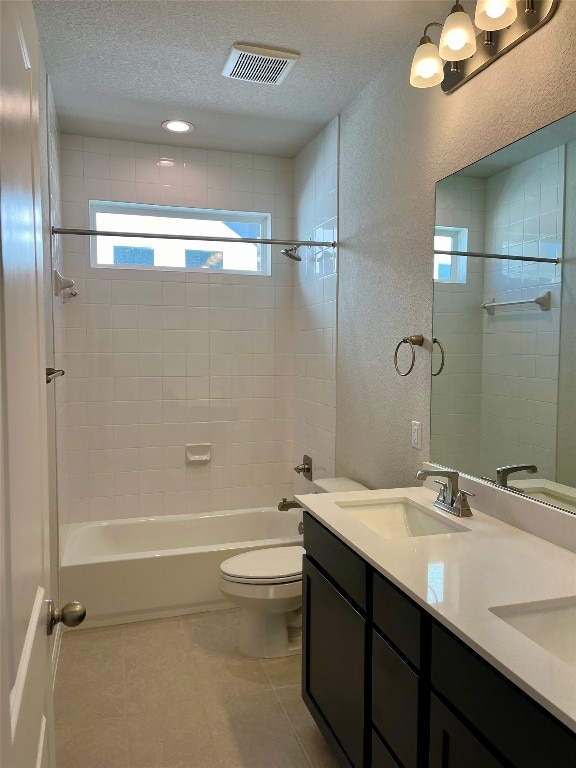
[(292, 728)]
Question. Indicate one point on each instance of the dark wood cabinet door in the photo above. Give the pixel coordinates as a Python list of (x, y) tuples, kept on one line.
[(381, 757), (395, 701), (333, 673), (452, 745)]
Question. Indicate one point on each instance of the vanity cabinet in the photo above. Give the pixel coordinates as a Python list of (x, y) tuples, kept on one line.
[(452, 745), (517, 728), (334, 599), (391, 688)]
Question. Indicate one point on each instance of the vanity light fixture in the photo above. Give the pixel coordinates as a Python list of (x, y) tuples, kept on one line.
[(503, 24), (177, 126), (458, 39), (427, 66), (492, 15)]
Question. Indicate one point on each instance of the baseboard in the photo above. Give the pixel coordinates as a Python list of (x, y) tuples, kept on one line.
[(109, 621)]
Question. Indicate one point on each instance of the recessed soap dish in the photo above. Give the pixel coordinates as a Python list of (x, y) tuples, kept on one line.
[(198, 453)]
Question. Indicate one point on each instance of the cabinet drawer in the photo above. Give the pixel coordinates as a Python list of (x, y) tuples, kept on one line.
[(344, 566), (395, 701), (452, 745), (520, 730), (381, 758), (397, 618)]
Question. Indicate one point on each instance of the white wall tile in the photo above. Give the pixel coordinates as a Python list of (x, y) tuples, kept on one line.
[(158, 360)]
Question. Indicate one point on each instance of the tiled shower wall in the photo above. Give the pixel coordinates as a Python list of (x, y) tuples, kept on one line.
[(456, 400), (316, 186), (524, 217), (155, 360)]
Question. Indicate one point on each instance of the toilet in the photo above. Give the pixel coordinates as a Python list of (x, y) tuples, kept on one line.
[(267, 585)]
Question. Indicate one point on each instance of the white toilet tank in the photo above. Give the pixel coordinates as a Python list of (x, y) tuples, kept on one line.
[(337, 485)]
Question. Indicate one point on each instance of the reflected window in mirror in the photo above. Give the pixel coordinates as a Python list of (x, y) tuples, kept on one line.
[(506, 395), (449, 268)]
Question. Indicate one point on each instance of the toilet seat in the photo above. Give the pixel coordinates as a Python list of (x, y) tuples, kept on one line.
[(275, 565)]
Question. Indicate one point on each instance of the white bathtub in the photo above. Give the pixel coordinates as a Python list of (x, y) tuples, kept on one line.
[(131, 570)]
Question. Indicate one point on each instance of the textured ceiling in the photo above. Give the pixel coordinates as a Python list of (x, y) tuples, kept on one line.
[(119, 68)]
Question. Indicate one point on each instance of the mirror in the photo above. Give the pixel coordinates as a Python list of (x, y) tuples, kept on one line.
[(506, 317)]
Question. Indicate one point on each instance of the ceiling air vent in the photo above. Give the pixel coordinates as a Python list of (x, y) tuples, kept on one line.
[(258, 65)]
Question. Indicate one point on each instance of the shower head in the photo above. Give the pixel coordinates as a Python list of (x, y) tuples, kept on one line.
[(292, 253)]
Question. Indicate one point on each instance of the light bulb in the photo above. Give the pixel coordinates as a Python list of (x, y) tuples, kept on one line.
[(496, 8), (458, 39), (427, 66), (492, 15)]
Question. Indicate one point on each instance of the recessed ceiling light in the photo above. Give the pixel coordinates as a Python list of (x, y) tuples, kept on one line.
[(177, 126), (165, 162)]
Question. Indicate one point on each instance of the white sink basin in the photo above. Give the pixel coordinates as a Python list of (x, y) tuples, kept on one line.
[(400, 518), (550, 623)]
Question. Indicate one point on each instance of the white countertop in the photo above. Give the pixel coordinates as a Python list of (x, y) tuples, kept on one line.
[(458, 577)]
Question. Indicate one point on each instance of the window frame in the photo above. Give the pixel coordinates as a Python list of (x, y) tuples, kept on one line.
[(207, 214), (458, 264)]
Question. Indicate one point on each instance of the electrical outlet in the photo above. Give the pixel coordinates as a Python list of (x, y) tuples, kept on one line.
[(416, 434)]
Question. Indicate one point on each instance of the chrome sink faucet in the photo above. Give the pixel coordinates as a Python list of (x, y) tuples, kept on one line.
[(502, 473), (450, 498)]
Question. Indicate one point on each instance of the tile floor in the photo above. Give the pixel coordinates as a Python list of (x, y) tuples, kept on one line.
[(176, 693)]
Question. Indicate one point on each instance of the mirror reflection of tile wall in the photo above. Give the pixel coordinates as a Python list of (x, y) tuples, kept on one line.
[(496, 403)]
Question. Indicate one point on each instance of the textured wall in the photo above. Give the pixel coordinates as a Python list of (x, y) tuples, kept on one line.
[(314, 415), (396, 142)]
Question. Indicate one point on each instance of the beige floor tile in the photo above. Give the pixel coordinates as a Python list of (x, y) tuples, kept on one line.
[(254, 732), (154, 744), (80, 703), (100, 744), (143, 658), (84, 662), (152, 631), (311, 739), (213, 635), (92, 638), (176, 693), (233, 676), (167, 694), (284, 671)]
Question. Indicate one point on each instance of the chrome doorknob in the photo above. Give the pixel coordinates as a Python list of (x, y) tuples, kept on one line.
[(71, 615)]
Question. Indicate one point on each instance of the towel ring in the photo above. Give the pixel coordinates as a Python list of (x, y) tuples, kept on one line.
[(439, 371), (414, 341)]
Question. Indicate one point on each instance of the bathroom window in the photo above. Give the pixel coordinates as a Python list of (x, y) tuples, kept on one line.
[(450, 269), (192, 255)]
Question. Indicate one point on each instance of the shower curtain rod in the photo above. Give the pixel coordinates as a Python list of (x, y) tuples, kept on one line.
[(498, 256), (203, 238)]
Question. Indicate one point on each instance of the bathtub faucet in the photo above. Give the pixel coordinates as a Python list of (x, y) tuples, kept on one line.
[(285, 505)]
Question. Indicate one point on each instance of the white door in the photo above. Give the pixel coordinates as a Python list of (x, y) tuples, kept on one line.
[(25, 678)]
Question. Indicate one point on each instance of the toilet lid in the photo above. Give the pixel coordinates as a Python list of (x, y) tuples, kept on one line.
[(278, 563)]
